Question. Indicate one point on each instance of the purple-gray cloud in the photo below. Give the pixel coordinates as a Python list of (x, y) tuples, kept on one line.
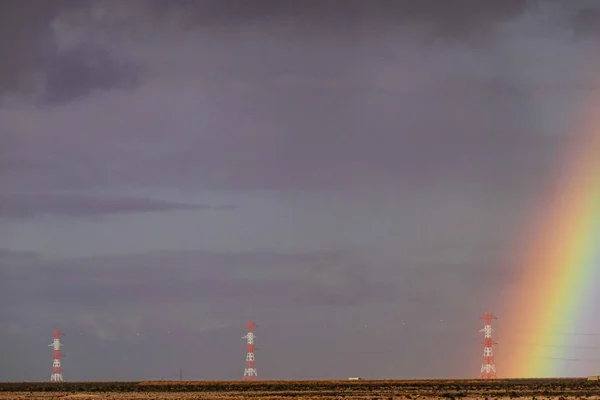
[(75, 205), (240, 102), (327, 278), (11, 254), (78, 71)]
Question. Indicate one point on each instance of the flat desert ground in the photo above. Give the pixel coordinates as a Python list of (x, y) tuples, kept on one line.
[(533, 389)]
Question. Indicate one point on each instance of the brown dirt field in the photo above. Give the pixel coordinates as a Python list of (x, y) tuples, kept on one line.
[(531, 389)]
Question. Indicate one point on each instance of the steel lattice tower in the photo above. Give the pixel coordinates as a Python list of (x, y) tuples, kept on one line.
[(250, 373), (56, 370), (488, 367)]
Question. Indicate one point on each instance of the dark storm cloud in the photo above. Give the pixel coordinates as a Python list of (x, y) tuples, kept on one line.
[(587, 21), (32, 61), (25, 26), (22, 27), (78, 71), (448, 18), (253, 101), (26, 42), (21, 206)]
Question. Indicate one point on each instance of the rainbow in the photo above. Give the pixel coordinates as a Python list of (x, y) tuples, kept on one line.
[(554, 303)]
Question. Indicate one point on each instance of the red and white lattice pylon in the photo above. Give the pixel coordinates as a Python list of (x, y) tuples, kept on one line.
[(56, 370), (488, 367), (250, 373)]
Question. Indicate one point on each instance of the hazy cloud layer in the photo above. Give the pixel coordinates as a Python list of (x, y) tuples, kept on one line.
[(358, 176), (326, 278), (21, 206)]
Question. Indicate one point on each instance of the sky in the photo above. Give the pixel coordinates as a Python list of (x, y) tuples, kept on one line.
[(354, 176)]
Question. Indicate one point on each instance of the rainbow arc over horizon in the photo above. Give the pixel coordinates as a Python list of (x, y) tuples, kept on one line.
[(554, 310)]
